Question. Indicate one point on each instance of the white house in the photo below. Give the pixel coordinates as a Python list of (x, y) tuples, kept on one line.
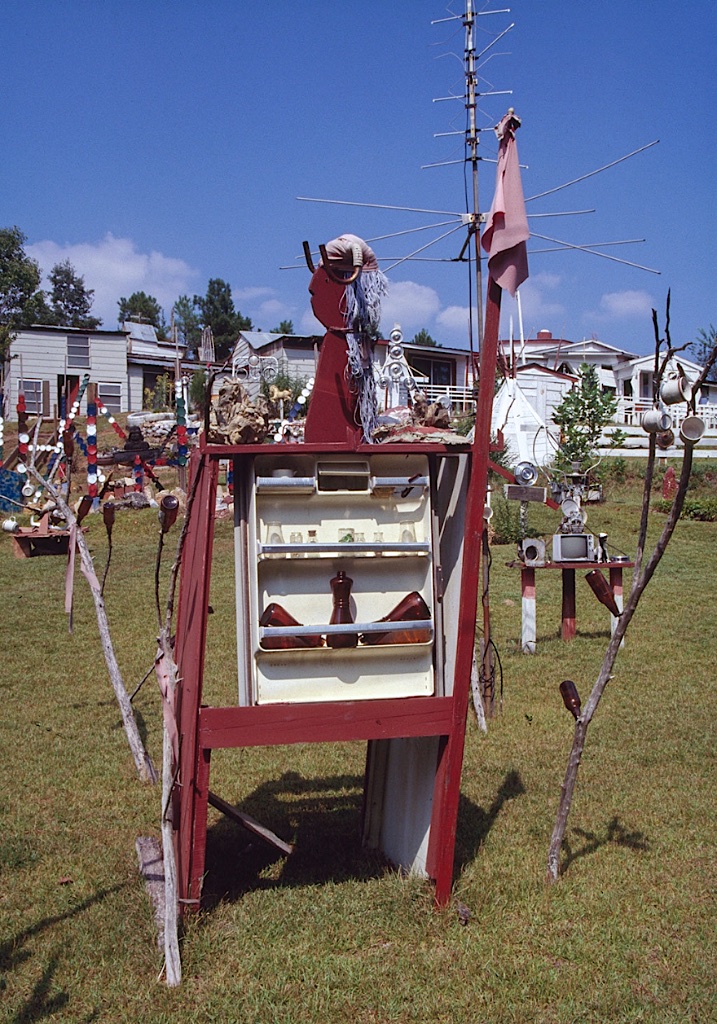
[(628, 376), (44, 359)]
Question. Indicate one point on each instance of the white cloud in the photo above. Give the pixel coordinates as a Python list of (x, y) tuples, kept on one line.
[(308, 324), (539, 306), (115, 268), (453, 322), (411, 305), (251, 294), (618, 305)]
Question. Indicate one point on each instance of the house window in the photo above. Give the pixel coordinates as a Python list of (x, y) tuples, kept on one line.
[(78, 351), (440, 372), (32, 389), (110, 395)]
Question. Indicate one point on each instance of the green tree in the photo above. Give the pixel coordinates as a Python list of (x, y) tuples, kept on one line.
[(198, 391), (218, 312), (424, 338), (285, 327), (582, 415), (703, 346), (21, 301), (187, 322), (71, 300), (144, 308)]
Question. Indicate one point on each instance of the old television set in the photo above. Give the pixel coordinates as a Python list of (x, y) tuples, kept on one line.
[(574, 547)]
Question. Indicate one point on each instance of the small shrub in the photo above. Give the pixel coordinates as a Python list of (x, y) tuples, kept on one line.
[(702, 509), (161, 396), (506, 522), (613, 470)]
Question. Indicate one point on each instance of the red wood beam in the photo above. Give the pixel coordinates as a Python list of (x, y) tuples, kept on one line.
[(568, 610), (268, 724), (190, 649), (448, 778)]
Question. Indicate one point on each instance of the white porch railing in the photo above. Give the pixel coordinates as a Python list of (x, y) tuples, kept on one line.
[(462, 398), (630, 410)]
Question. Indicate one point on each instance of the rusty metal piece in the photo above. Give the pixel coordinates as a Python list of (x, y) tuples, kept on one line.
[(337, 278), (308, 257)]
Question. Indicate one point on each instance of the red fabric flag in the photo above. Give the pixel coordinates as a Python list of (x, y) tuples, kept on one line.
[(507, 231)]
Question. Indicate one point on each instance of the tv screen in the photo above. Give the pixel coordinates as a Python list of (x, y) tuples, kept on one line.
[(574, 547)]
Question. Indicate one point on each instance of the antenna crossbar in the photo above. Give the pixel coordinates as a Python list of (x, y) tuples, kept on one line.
[(590, 174)]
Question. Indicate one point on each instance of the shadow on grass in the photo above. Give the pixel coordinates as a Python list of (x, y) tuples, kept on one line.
[(474, 823), (12, 951), (321, 816), (615, 833), (40, 1004)]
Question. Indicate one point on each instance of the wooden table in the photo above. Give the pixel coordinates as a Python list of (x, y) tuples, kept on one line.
[(528, 636)]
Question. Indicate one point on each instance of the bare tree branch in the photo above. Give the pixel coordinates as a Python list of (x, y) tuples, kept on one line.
[(641, 578), (142, 760)]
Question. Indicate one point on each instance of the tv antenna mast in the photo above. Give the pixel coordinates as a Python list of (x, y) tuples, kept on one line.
[(472, 218)]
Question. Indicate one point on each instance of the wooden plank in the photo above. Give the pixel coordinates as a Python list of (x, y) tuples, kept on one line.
[(336, 721), (151, 866), (250, 824), (517, 492), (189, 655)]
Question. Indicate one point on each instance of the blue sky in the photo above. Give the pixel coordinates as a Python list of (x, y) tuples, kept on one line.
[(157, 144)]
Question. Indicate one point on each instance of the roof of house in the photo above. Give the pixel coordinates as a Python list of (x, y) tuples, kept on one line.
[(545, 369), (84, 331)]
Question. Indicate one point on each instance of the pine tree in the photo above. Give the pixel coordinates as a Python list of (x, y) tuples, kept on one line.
[(71, 300)]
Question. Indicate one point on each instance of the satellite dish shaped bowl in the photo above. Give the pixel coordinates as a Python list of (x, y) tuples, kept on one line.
[(570, 507), (525, 473)]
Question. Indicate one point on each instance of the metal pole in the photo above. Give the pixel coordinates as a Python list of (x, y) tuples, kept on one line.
[(472, 140)]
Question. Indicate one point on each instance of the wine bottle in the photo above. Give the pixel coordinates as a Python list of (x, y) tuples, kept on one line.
[(571, 697), (411, 608), (275, 615)]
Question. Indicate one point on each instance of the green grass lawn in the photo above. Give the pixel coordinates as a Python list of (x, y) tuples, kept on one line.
[(333, 934)]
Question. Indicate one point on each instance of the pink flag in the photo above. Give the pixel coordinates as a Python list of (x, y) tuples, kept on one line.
[(507, 231)]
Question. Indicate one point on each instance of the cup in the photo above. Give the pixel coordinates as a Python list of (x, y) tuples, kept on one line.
[(655, 421), (675, 388), (691, 429), (274, 536), (10, 525)]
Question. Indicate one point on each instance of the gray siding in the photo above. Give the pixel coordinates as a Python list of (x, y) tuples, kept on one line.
[(42, 355)]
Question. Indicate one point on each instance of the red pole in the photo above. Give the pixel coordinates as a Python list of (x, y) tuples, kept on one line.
[(448, 779)]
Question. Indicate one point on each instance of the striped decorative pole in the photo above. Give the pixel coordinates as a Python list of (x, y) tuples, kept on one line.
[(23, 438), (91, 449), (104, 411), (138, 474), (182, 447)]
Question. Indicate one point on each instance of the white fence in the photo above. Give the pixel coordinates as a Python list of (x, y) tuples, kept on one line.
[(630, 410)]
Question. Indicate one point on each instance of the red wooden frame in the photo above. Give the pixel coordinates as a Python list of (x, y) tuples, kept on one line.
[(203, 729)]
